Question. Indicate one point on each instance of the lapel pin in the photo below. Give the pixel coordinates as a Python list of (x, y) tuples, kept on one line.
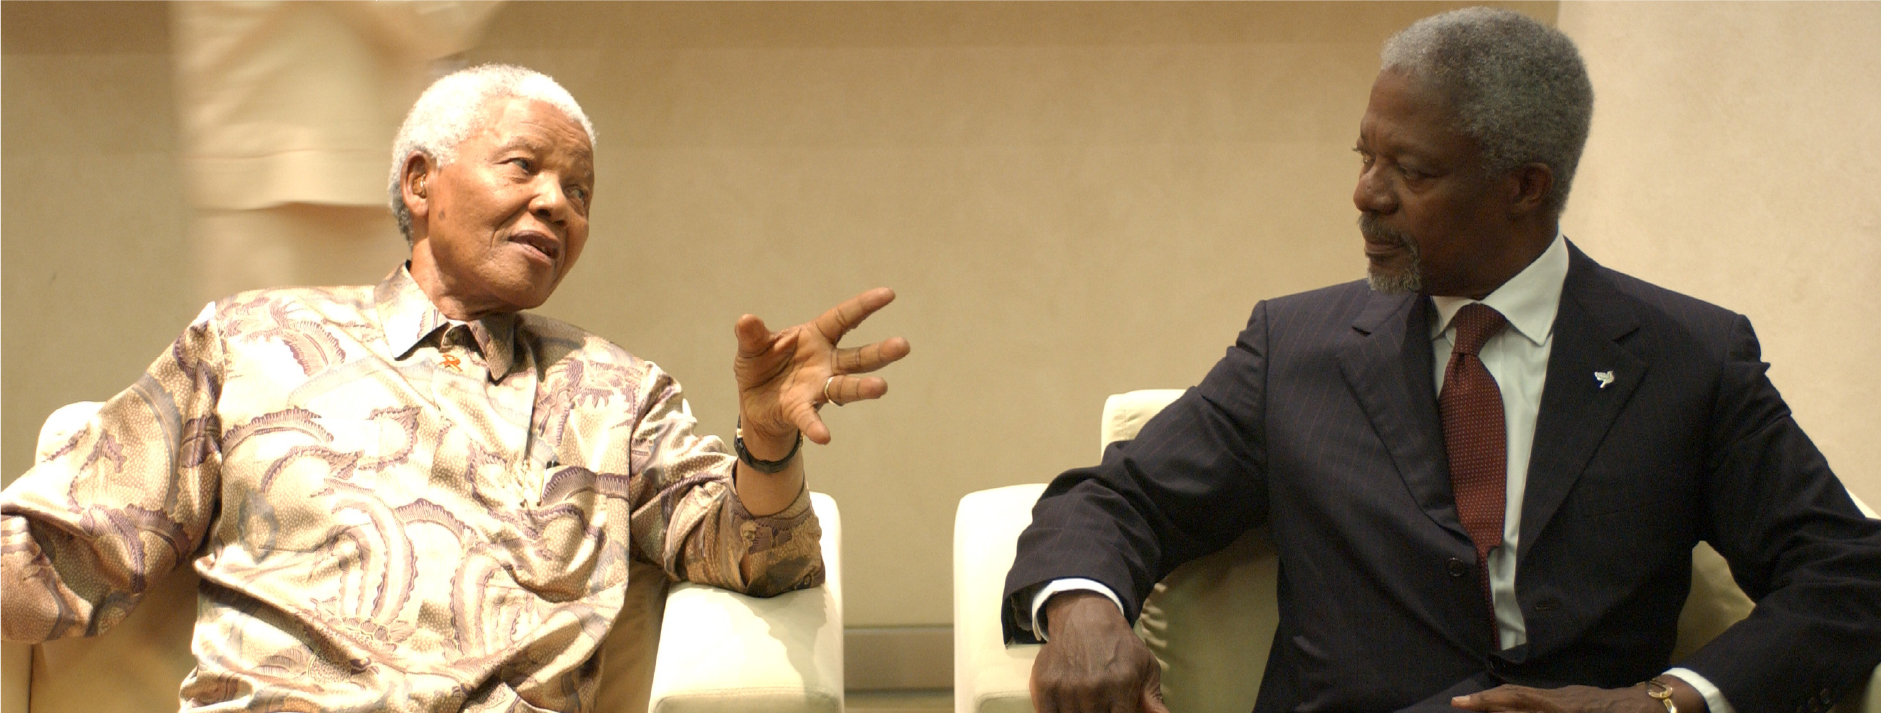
[(1605, 378)]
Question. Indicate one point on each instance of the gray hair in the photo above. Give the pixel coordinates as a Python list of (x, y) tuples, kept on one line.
[(449, 110), (1516, 86)]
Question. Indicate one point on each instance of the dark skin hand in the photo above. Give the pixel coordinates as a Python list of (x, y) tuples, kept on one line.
[(1092, 661), (1512, 698)]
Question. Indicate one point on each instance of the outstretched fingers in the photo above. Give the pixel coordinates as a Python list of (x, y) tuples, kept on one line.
[(804, 416), (871, 357), (753, 337), (842, 390), (839, 320)]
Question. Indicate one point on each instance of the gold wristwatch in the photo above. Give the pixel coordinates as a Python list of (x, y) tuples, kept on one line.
[(1664, 693)]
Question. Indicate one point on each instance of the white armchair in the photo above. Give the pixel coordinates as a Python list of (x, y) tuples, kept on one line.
[(1209, 623), (723, 652)]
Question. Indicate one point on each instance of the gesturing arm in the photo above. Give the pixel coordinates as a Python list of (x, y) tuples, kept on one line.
[(785, 377), (708, 517)]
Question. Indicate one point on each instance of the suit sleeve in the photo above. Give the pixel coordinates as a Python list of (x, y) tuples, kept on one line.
[(1797, 546), (1188, 485), (125, 500)]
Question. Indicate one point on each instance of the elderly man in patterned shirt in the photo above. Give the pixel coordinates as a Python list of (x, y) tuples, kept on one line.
[(414, 495)]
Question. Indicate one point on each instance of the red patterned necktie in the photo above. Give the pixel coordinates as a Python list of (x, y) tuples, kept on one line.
[(1474, 435)]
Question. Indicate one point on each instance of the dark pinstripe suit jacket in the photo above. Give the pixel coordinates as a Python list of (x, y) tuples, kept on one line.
[(1322, 423)]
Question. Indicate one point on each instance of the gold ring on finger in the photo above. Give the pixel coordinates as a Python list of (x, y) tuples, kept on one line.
[(826, 391)]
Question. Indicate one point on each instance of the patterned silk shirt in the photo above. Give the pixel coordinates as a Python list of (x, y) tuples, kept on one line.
[(388, 510)]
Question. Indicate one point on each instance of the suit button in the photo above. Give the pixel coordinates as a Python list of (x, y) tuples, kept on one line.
[(1547, 604), (1813, 703), (1827, 696), (1458, 568)]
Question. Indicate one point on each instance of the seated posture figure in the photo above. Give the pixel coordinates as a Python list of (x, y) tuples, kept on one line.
[(413, 495), (1485, 468)]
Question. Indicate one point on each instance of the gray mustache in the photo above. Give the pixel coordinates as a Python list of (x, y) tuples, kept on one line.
[(1375, 230)]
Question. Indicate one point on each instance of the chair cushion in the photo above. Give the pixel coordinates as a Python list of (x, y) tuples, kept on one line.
[(1210, 623)]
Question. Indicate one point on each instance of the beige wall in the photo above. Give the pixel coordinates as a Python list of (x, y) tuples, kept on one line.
[(1072, 199), (1734, 158), (93, 257)]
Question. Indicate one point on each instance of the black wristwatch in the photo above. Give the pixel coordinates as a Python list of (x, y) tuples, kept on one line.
[(769, 467)]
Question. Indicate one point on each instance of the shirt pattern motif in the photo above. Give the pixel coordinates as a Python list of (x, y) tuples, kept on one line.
[(389, 510)]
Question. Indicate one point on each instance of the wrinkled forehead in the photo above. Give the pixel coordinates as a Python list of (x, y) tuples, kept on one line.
[(510, 121), (1410, 116)]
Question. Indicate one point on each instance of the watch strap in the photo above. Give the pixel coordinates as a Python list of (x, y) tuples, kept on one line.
[(763, 466)]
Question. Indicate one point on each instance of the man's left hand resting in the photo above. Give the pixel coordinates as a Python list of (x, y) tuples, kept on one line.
[(1513, 698)]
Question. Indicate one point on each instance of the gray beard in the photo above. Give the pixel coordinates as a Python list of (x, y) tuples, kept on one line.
[(1410, 280)]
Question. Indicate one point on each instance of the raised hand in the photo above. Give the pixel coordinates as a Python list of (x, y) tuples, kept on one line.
[(785, 376)]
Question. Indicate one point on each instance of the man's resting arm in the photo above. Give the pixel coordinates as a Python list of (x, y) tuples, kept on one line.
[(1187, 485), (120, 502), (1797, 545), (687, 517)]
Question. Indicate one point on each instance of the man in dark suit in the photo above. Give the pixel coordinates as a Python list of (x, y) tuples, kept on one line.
[(1485, 468)]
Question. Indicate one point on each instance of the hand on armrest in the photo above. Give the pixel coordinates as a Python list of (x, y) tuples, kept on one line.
[(1092, 661)]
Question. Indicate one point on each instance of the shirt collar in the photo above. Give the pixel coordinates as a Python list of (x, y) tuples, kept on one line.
[(1529, 300), (408, 318)]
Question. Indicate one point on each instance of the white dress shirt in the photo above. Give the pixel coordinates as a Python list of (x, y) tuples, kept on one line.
[(1518, 359)]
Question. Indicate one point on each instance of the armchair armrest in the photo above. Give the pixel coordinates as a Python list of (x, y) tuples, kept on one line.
[(722, 651), (989, 676)]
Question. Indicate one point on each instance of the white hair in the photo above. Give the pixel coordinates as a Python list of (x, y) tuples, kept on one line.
[(449, 110), (1516, 86)]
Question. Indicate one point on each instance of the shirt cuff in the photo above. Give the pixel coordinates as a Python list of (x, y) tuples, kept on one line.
[(1061, 585), (1715, 699)]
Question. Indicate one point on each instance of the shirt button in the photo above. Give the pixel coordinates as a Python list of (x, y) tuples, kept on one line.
[(1457, 568)]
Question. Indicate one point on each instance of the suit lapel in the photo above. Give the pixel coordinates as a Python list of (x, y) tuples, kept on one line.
[(1389, 368), (1579, 401)]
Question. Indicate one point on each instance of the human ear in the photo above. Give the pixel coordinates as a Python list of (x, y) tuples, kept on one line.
[(1529, 188), (413, 190)]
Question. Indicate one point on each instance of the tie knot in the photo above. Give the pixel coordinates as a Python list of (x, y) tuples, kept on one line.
[(1475, 324)]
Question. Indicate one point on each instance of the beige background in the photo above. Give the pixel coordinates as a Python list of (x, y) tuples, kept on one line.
[(1072, 199)]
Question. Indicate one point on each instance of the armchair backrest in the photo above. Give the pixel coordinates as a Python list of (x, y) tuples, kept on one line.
[(1209, 623)]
